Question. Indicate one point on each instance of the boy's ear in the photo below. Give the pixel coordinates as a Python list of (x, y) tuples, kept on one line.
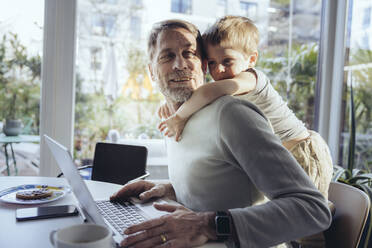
[(151, 73), (205, 65), (253, 59)]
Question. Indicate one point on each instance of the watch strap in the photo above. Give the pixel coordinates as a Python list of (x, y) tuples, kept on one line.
[(221, 213)]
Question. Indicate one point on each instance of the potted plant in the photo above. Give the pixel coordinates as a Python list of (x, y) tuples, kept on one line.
[(12, 109), (19, 85)]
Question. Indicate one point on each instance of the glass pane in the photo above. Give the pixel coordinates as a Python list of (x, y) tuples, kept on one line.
[(181, 6), (289, 52), (115, 96), (21, 46), (221, 7), (176, 6), (358, 73), (249, 9)]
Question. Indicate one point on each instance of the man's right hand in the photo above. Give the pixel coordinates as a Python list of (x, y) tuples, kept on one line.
[(144, 191)]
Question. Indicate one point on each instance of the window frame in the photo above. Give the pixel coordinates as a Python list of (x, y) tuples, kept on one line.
[(328, 92)]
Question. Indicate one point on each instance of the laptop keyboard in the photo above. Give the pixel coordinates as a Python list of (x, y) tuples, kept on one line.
[(120, 215)]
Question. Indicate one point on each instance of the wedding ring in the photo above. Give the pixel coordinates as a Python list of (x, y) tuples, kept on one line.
[(163, 238)]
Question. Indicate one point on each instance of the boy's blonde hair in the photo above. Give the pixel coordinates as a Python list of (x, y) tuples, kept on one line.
[(237, 32)]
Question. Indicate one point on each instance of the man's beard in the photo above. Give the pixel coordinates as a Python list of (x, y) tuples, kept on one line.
[(177, 94)]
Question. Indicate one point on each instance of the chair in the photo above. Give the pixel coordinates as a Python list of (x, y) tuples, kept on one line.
[(352, 208), (117, 163)]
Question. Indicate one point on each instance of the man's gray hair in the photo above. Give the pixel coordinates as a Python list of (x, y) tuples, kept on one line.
[(158, 27)]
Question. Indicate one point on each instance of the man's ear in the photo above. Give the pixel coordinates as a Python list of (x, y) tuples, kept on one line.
[(253, 59), (151, 73)]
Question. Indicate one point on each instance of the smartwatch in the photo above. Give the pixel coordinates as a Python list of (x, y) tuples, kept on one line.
[(223, 225)]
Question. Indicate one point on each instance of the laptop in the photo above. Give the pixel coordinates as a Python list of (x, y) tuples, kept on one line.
[(117, 216)]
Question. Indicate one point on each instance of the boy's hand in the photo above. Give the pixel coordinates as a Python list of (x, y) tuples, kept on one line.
[(164, 111), (173, 126)]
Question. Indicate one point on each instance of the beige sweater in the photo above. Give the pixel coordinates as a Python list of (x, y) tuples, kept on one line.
[(285, 123)]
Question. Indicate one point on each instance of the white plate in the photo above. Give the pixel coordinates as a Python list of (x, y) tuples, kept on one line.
[(9, 195)]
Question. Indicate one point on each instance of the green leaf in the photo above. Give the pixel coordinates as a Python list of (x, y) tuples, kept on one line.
[(342, 180), (356, 172), (337, 174), (367, 179), (369, 175), (348, 174)]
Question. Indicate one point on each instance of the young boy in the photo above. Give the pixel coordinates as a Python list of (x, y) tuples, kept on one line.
[(231, 47)]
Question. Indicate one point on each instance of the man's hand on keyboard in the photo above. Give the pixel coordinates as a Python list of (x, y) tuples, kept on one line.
[(180, 228), (144, 190)]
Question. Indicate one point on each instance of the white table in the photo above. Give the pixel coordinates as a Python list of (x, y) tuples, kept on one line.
[(36, 233)]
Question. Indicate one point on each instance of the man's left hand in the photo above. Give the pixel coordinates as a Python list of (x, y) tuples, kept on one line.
[(180, 228)]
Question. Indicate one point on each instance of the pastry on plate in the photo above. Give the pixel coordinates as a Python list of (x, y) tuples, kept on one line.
[(34, 194)]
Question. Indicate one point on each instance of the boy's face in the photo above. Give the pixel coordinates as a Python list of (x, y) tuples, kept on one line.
[(225, 62)]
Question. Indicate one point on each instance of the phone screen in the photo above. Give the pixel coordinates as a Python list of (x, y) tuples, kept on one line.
[(45, 212)]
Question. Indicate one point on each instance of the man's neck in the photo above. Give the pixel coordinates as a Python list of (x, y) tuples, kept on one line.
[(173, 105)]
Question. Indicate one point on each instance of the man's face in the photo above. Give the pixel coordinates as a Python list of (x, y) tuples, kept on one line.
[(177, 64)]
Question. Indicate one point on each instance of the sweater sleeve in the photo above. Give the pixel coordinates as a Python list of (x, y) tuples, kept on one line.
[(296, 208)]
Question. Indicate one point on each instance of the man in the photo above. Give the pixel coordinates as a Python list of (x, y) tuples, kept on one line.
[(227, 161)]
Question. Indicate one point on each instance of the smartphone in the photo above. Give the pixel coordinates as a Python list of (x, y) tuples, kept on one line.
[(45, 212)]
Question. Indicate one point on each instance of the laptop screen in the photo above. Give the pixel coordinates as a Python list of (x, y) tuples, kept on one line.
[(78, 186)]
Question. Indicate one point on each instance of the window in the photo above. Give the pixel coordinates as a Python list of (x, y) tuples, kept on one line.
[(249, 9), (113, 89), (181, 6), (137, 3), (367, 17), (288, 58), (358, 73), (221, 8), (21, 50), (95, 58), (135, 27), (103, 24), (365, 41)]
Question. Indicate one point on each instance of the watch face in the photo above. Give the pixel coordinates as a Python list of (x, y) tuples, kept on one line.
[(223, 225)]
